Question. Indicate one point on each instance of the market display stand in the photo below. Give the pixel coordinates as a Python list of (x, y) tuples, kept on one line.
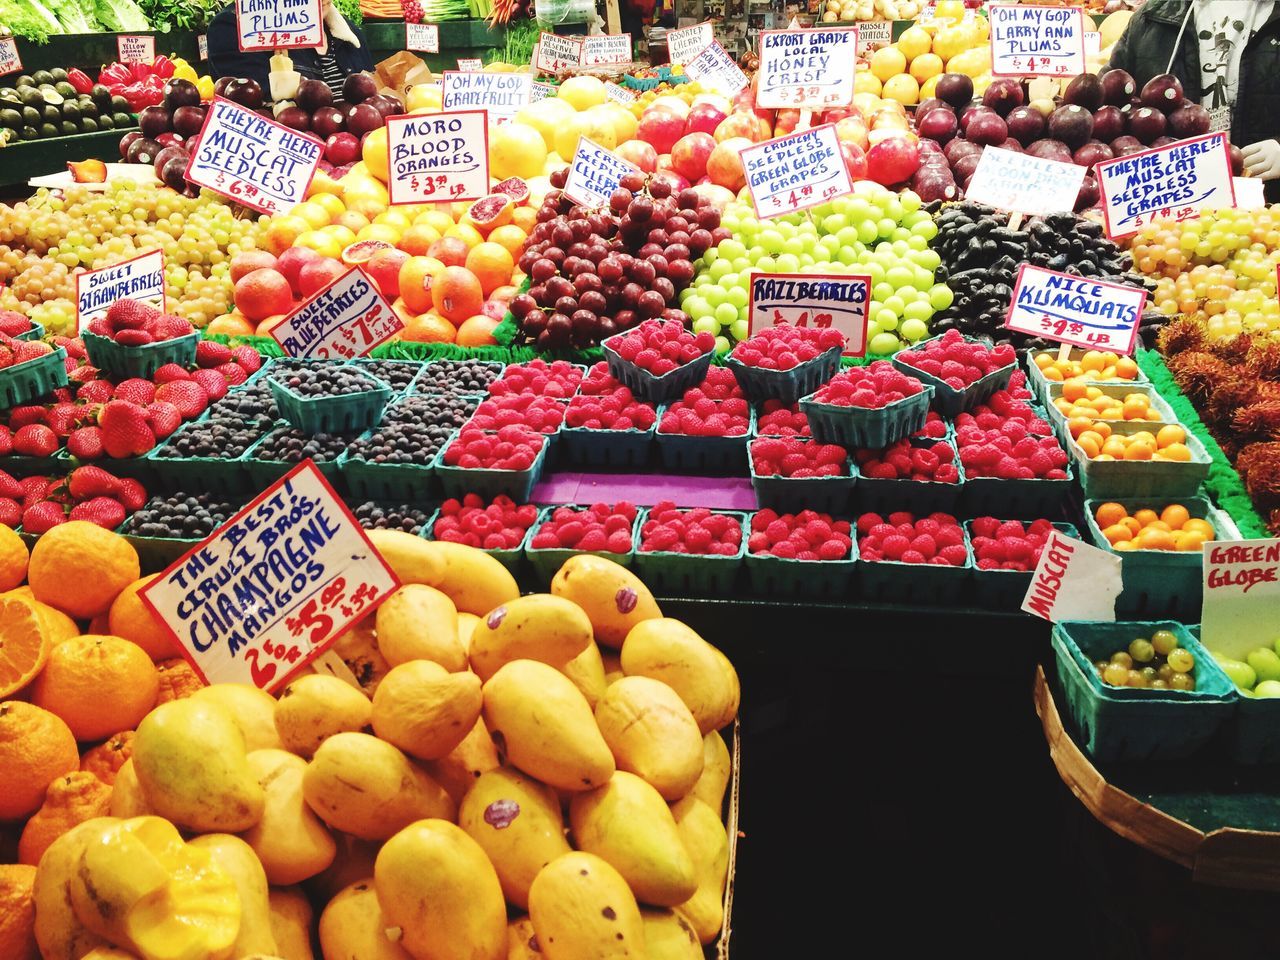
[(458, 38), (19, 162), (90, 51)]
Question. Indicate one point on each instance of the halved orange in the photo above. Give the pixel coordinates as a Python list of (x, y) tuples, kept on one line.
[(24, 646)]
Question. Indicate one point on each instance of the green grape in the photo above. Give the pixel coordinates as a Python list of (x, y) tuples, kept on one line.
[(726, 313), (1164, 642), (1116, 674), (1122, 658), (914, 330), (1181, 660), (1142, 651), (739, 297), (706, 325), (884, 343), (738, 330), (1182, 681)]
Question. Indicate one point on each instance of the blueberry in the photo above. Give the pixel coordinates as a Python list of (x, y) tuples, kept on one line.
[(180, 516), (291, 445), (457, 377), (220, 439), (375, 515)]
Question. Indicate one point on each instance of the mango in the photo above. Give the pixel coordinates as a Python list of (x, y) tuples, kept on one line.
[(238, 861), (190, 760), (518, 824), (314, 707), (627, 823), (364, 786), (436, 884), (668, 936), (717, 766), (538, 627), (582, 909), (411, 559), (291, 917), (352, 927), (60, 934), (522, 942), (468, 760), (614, 598), (543, 724), (475, 581), (126, 794), (353, 862), (358, 648), (652, 734), (466, 627), (586, 670), (253, 711), (612, 663), (420, 623), (291, 842), (704, 837), (669, 651), (424, 709)]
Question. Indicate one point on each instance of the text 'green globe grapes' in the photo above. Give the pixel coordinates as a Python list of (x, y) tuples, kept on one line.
[(874, 231)]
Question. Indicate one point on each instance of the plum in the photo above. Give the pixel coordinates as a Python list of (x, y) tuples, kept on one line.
[(1071, 124)]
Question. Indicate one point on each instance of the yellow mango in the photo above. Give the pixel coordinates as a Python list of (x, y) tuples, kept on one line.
[(253, 711), (652, 734), (717, 766), (190, 760), (352, 927), (420, 623), (353, 863), (314, 707), (543, 724), (436, 884), (586, 670), (291, 922), (704, 836), (412, 559), (475, 581), (669, 651), (466, 627), (358, 648), (538, 627), (668, 936), (238, 861), (522, 942), (364, 786), (612, 662), (518, 824), (582, 909), (60, 934), (475, 755), (424, 709), (614, 598), (627, 823), (126, 794), (291, 842)]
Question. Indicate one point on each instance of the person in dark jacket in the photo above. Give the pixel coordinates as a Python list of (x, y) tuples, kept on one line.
[(345, 51), (1226, 53)]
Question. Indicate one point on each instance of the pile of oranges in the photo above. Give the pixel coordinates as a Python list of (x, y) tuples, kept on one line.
[(1173, 528), (1080, 400), (1098, 442), (1092, 365)]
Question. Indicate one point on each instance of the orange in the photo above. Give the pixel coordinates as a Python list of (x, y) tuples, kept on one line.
[(70, 800), (1158, 525), (466, 233), (35, 749), (1135, 408), (80, 568), (1190, 540), (1110, 513), (233, 324), (283, 232), (1175, 515), (1143, 436), (1116, 533), (13, 560), (1126, 368), (511, 237), (1078, 425), (129, 618), (1043, 360), (1089, 443), (1124, 545), (105, 760), (247, 261), (429, 327), (1176, 451), (263, 293), (1135, 527), (1052, 373), (1146, 516), (417, 240), (416, 277), (456, 294), (494, 211), (1074, 390), (1114, 447), (435, 218), (98, 684), (56, 624), (264, 328), (477, 331), (1196, 525), (1102, 429), (177, 680), (1092, 360), (526, 218), (450, 250), (17, 912), (1170, 434), (24, 645), (492, 264), (1153, 539)]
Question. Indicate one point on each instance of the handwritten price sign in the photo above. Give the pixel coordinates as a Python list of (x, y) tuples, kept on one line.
[(684, 44), (807, 68), (715, 70), (606, 48), (423, 37), (135, 49), (10, 62), (1020, 182), (594, 174), (1073, 581), (439, 156), (795, 172), (1034, 41), (555, 53), (278, 24), (500, 95), (1080, 311), (272, 588), (140, 278), (819, 300), (346, 319), (1241, 595)]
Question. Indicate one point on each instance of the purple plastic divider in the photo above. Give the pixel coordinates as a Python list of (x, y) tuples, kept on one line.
[(717, 493)]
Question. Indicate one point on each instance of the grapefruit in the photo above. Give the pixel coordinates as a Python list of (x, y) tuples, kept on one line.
[(325, 244), (450, 250), (418, 239), (292, 261), (492, 265), (383, 268), (582, 92), (263, 293), (283, 232), (316, 276), (456, 294), (374, 154), (511, 237), (249, 261), (516, 151), (362, 251)]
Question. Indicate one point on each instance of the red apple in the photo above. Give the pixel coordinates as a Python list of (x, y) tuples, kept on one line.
[(892, 161), (724, 166), (689, 155), (703, 118), (660, 128), (855, 161), (785, 122), (853, 129), (638, 153), (741, 124)]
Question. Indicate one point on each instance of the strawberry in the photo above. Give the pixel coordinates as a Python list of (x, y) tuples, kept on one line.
[(136, 390), (131, 315), (214, 383), (85, 443), (132, 494), (248, 358), (10, 512), (62, 418), (100, 327), (170, 372), (73, 345), (63, 395), (210, 354), (95, 391), (86, 483), (171, 327), (134, 338), (84, 373), (10, 487), (188, 396), (232, 373), (13, 323), (27, 350), (33, 489), (35, 440), (43, 516), (125, 432), (6, 356), (164, 418), (70, 364), (19, 417), (103, 511)]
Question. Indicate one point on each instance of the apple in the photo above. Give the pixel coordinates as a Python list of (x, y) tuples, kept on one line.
[(689, 155), (716, 195), (892, 161), (742, 124), (638, 153), (660, 127), (855, 161), (724, 166), (853, 129), (785, 122), (704, 118), (669, 101)]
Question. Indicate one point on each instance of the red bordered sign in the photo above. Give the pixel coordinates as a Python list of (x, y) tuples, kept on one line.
[(801, 170), (141, 287), (1036, 20), (1055, 306), (10, 62), (264, 25), (459, 178), (346, 319), (822, 300)]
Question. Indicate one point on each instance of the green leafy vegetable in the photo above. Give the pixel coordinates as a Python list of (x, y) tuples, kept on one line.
[(180, 14), (29, 19), (119, 16), (76, 16), (351, 10)]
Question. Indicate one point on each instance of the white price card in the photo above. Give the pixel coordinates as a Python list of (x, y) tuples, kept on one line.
[(252, 160), (1021, 183), (1081, 311), (470, 64), (687, 42), (540, 91), (436, 157), (619, 94), (135, 48), (1241, 596), (874, 34), (423, 37), (139, 278), (821, 300), (1036, 41), (202, 46), (714, 69), (1073, 581), (346, 319), (795, 172), (1092, 43), (806, 68), (273, 587), (1249, 193), (555, 53), (594, 174), (500, 95), (1173, 182), (604, 48), (10, 62), (278, 24)]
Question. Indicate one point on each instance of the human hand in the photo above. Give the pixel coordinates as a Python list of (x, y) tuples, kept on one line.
[(1262, 159)]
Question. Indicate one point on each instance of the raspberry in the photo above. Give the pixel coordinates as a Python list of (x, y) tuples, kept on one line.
[(895, 546), (955, 555)]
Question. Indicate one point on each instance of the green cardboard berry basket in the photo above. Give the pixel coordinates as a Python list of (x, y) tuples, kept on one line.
[(893, 581), (410, 482), (880, 495), (1004, 589), (1129, 724), (368, 365), (1255, 732), (263, 473), (1157, 583), (156, 553), (1015, 499), (759, 384), (343, 413), (511, 559), (1058, 420), (1125, 479), (607, 448), (645, 385), (873, 427), (791, 495), (35, 333), (20, 467), (812, 579), (705, 455), (516, 484), (546, 561), (1039, 386), (34, 378), (416, 388), (677, 574), (121, 362), (947, 400), (203, 474)]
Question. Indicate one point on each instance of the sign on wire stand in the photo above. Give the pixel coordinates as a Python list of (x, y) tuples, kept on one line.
[(1021, 183), (139, 278), (715, 70), (273, 587), (10, 62), (540, 91), (683, 44), (252, 160), (1173, 182), (135, 48), (1036, 41), (1241, 596), (606, 48), (806, 68), (500, 95), (1073, 581), (278, 24), (795, 172), (346, 319), (821, 300), (202, 46), (435, 157), (1081, 311), (555, 53), (423, 37), (470, 64), (594, 174)]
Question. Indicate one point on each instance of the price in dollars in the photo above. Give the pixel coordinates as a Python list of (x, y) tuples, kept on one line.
[(346, 319), (1080, 311)]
